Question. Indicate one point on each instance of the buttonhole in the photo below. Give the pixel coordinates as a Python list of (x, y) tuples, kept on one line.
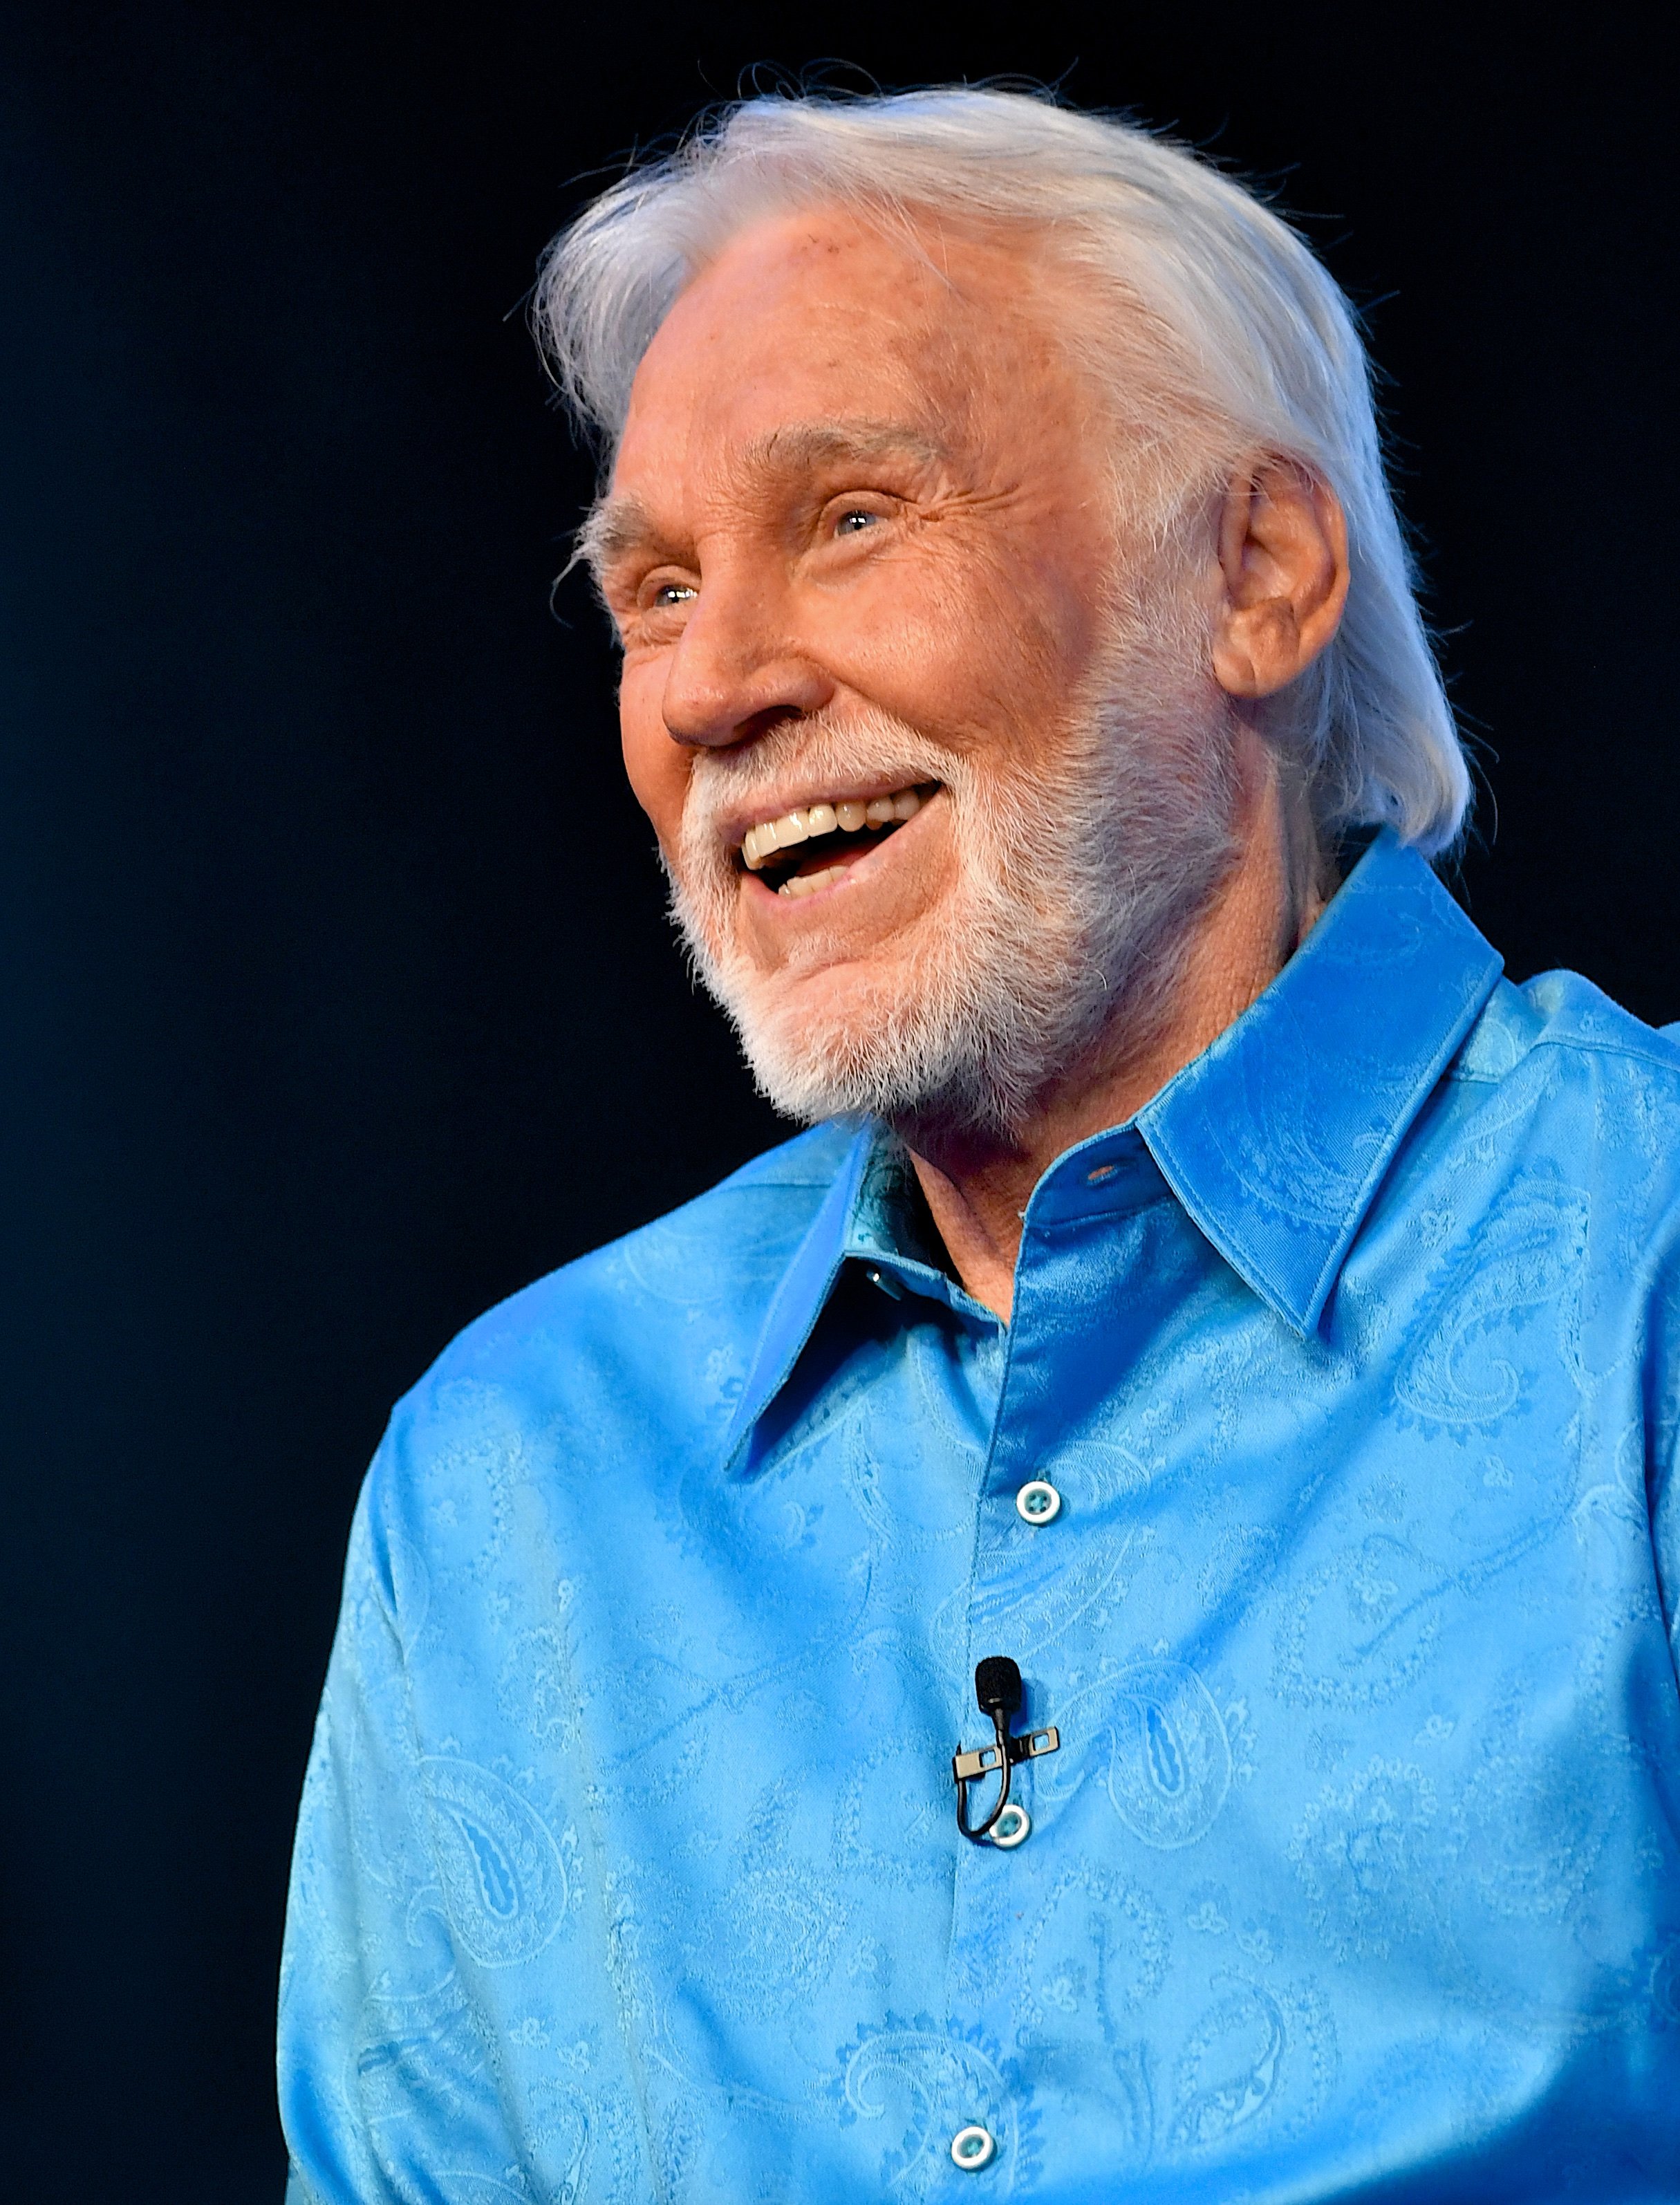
[(1103, 1171)]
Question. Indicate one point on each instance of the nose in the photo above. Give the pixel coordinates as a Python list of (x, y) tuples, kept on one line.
[(738, 669)]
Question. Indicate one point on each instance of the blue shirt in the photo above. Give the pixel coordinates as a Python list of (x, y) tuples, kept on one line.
[(629, 1866)]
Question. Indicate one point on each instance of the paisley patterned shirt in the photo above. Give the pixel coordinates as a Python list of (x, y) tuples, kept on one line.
[(629, 1866)]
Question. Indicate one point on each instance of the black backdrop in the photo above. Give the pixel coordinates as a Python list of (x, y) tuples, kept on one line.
[(338, 1000)]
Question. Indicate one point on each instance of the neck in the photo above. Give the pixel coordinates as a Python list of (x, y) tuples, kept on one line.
[(977, 1190)]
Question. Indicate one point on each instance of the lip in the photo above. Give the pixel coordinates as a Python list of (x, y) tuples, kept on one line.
[(789, 909)]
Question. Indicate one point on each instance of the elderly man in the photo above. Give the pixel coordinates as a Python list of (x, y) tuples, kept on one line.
[(1102, 1623)]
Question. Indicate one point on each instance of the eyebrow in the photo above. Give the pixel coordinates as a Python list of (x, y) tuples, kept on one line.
[(620, 522), (803, 445), (614, 526)]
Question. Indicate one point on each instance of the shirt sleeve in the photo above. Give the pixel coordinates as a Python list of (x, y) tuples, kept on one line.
[(384, 2073)]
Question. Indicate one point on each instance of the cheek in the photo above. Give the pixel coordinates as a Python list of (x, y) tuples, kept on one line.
[(971, 641), (658, 768), (910, 643)]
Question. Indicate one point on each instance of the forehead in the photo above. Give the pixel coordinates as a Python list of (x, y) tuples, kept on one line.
[(820, 335)]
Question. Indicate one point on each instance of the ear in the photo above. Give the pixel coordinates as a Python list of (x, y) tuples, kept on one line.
[(1283, 562)]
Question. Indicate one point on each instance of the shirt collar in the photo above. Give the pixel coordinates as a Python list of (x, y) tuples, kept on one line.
[(1275, 1140), (806, 1287), (865, 1216), (1277, 1136)]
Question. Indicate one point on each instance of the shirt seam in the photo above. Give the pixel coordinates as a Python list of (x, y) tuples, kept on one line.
[(1581, 1044)]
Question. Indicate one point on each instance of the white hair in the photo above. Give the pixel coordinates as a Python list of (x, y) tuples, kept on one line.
[(1250, 331)]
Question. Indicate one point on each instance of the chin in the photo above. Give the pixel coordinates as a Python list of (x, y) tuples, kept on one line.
[(862, 1041), (820, 1045)]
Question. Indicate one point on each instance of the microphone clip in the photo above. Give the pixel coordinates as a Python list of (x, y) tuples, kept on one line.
[(997, 1688)]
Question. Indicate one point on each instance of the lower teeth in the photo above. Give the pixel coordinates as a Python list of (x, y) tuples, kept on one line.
[(808, 883)]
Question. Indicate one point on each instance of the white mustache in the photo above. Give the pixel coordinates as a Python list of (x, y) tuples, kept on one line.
[(819, 755)]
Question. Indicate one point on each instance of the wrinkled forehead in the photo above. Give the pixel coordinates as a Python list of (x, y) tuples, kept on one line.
[(821, 338)]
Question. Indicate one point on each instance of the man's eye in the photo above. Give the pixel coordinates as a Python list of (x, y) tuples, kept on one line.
[(854, 522), (673, 593)]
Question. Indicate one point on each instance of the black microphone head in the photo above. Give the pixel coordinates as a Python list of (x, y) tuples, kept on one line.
[(997, 1685)]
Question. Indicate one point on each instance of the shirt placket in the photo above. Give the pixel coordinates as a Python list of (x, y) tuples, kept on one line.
[(1068, 1348)]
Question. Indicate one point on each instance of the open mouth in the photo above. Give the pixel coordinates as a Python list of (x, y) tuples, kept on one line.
[(811, 848)]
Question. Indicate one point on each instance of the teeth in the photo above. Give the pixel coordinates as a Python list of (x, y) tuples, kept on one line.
[(805, 884), (849, 814)]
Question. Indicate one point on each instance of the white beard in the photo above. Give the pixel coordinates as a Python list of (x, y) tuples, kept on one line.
[(1076, 887)]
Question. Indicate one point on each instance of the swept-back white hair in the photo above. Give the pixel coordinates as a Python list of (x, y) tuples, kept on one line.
[(1247, 331)]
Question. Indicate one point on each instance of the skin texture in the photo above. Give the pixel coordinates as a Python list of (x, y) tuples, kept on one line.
[(860, 470)]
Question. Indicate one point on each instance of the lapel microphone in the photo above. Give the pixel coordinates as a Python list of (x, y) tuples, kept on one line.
[(997, 1689)]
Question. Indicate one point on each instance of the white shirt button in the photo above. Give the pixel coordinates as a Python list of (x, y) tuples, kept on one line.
[(1012, 1827), (1038, 1502), (973, 2148)]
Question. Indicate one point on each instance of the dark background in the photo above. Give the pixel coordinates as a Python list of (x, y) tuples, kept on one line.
[(338, 1000)]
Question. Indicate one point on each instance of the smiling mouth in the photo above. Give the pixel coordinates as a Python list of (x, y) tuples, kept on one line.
[(811, 848)]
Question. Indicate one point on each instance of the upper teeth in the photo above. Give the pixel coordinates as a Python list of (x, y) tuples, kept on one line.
[(850, 814)]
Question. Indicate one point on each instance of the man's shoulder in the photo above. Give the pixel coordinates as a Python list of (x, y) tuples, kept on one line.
[(1563, 1021), (1555, 1076), (672, 1306)]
